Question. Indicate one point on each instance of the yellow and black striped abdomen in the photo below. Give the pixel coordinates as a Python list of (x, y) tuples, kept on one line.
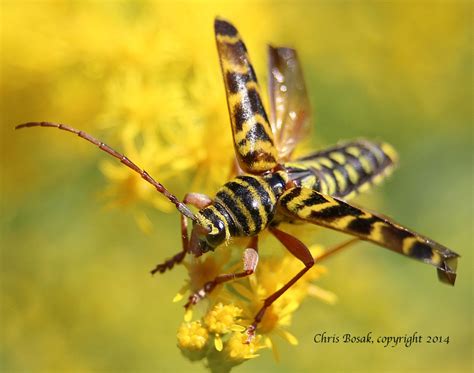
[(253, 136), (345, 169)]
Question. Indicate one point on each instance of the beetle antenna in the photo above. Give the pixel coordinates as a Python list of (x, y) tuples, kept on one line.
[(182, 208)]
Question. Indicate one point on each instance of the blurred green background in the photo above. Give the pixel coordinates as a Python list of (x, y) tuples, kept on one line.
[(76, 294)]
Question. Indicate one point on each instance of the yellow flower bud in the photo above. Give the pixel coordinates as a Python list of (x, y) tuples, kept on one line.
[(192, 336)]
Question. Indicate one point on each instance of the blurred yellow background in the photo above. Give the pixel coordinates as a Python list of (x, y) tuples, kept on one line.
[(76, 294)]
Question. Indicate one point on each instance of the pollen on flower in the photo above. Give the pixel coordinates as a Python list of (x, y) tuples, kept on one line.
[(222, 318), (237, 347), (192, 336)]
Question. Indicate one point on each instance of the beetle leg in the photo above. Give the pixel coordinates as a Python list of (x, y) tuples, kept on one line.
[(250, 258), (332, 250), (301, 252), (197, 200)]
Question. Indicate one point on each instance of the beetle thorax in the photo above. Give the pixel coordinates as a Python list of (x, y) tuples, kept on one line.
[(250, 202)]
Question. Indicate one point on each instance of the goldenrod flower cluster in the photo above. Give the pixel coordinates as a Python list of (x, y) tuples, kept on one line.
[(219, 339), (192, 336), (218, 335)]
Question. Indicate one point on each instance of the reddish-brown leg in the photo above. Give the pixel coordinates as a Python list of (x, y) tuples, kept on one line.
[(300, 251), (335, 249), (197, 200), (250, 265)]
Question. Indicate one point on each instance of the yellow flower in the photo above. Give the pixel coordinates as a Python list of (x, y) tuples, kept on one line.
[(192, 336), (230, 343), (207, 267), (232, 307), (192, 340), (271, 275), (222, 320), (239, 349)]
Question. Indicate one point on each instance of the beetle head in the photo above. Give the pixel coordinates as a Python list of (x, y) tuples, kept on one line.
[(207, 237)]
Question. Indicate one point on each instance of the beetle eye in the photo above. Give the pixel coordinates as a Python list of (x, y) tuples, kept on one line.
[(216, 239)]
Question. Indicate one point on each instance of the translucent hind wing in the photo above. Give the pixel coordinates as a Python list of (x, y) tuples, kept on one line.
[(289, 103), (311, 206), (253, 137)]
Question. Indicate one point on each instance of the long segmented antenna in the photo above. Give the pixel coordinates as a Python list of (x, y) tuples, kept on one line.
[(182, 208)]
